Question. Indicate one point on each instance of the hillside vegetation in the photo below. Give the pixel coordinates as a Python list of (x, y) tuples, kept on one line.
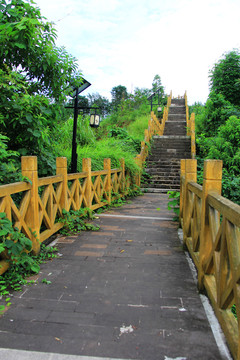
[(36, 80), (218, 123)]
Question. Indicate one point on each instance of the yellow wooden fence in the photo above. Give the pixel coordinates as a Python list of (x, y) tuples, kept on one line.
[(34, 207), (211, 232), (190, 122)]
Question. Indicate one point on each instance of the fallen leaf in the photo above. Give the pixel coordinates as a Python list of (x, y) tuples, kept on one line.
[(56, 338), (129, 240), (122, 251)]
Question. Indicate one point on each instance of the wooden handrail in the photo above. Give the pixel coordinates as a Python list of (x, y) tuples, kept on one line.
[(211, 232), (154, 128), (41, 200)]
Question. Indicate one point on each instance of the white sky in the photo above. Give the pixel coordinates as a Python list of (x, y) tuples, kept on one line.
[(128, 42)]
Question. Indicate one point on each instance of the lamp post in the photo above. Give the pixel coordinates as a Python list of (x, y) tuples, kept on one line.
[(94, 120), (150, 98), (84, 85)]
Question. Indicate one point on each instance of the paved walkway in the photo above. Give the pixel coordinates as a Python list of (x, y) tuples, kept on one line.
[(125, 292)]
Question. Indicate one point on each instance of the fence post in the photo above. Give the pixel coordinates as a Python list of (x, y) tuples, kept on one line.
[(182, 195), (86, 167), (29, 170), (123, 185), (188, 121), (107, 166), (190, 175), (146, 135), (61, 169), (137, 177), (193, 143), (212, 181)]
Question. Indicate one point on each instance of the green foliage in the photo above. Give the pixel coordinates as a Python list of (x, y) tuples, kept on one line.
[(109, 148), (119, 94), (35, 78), (16, 248), (73, 221), (27, 43), (227, 145), (225, 77), (234, 310), (214, 114), (157, 86), (96, 100), (14, 242), (136, 128), (128, 141), (174, 203), (8, 162), (45, 281), (17, 275)]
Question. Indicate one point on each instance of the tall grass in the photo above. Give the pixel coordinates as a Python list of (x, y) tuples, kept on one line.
[(137, 127), (118, 136), (107, 148)]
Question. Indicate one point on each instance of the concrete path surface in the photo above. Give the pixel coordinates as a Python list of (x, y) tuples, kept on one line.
[(124, 292)]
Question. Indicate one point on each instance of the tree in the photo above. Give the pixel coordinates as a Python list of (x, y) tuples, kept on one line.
[(27, 44), (215, 113), (118, 93), (225, 77), (157, 86), (101, 102), (35, 79)]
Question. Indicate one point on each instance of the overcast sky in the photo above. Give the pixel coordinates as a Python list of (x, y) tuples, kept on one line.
[(128, 42)]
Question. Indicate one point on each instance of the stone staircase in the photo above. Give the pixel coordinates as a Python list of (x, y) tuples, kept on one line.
[(162, 172)]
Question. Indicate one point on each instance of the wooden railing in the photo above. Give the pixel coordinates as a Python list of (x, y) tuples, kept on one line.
[(34, 207), (211, 232), (155, 127), (190, 128)]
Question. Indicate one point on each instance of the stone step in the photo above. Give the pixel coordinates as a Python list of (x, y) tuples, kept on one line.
[(178, 131), (174, 141), (168, 154), (156, 137), (162, 151), (158, 190), (164, 180), (176, 117), (153, 175), (167, 187), (174, 109), (164, 163), (175, 129), (171, 146), (178, 102)]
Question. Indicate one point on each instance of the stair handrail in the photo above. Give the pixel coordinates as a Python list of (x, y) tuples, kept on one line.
[(211, 233), (44, 207), (165, 113), (190, 127), (187, 115), (193, 140), (154, 128)]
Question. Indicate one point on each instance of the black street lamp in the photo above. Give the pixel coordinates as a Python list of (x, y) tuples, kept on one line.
[(150, 98), (94, 120)]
